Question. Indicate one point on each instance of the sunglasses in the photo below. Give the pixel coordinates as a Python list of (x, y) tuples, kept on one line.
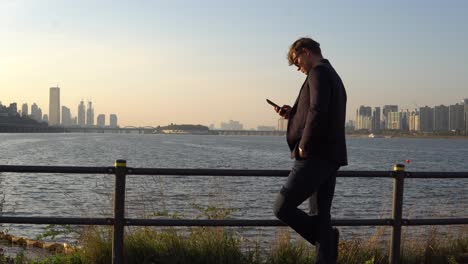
[(297, 56)]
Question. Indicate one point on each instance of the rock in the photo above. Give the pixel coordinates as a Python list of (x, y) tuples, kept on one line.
[(8, 237), (22, 242), (68, 249), (38, 244), (54, 247)]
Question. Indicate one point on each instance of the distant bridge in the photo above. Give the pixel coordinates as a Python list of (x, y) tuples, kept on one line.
[(132, 130), (247, 132), (115, 130)]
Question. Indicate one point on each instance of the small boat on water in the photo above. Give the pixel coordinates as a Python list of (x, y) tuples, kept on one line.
[(372, 135)]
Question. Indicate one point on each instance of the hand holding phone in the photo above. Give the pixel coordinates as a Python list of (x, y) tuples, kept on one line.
[(282, 111)]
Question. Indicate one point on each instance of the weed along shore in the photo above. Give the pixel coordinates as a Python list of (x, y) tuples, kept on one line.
[(217, 245), (211, 236)]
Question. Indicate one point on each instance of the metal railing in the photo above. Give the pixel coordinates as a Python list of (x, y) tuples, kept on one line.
[(120, 170)]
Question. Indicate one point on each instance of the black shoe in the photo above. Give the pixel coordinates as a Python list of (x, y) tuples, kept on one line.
[(335, 243)]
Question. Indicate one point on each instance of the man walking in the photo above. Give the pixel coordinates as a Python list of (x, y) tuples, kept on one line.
[(316, 138)]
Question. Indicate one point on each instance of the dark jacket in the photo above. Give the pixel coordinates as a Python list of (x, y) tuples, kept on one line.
[(317, 119)]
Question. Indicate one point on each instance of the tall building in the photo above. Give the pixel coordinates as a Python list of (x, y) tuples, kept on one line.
[(81, 114), (282, 124), (414, 122), (113, 121), (394, 120), (456, 117), (35, 112), (385, 110), (24, 110), (426, 119), (376, 119), (364, 118), (405, 120), (232, 125), (13, 109), (350, 125), (66, 116), (39, 114), (101, 120), (441, 118), (466, 116), (54, 106), (90, 115)]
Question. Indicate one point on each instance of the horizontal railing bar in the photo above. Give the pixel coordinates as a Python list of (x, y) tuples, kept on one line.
[(239, 173), (436, 175), (57, 169), (206, 172), (225, 222), (56, 220), (241, 222), (438, 221), (215, 172)]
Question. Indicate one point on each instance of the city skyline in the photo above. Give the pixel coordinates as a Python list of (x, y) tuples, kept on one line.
[(453, 117), (61, 115), (181, 62), (83, 118)]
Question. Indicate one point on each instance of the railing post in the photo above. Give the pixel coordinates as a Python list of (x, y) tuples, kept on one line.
[(397, 213), (119, 212)]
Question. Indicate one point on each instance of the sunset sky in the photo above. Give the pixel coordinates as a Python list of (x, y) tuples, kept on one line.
[(206, 62)]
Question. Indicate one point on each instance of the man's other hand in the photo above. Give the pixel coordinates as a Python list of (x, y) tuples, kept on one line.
[(301, 153), (283, 111)]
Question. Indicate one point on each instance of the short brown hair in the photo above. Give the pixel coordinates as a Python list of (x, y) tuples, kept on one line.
[(303, 43)]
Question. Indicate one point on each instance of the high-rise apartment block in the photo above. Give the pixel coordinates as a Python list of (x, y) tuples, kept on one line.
[(385, 110), (466, 116), (54, 106), (36, 112), (426, 118), (113, 121), (441, 118), (90, 115), (66, 116), (456, 117), (404, 120), (364, 118), (81, 114), (24, 110), (231, 125), (394, 120), (376, 119), (101, 120), (282, 124), (414, 121)]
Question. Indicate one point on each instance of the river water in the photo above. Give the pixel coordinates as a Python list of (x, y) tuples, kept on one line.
[(249, 198)]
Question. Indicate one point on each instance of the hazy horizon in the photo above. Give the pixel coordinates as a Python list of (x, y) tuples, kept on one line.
[(155, 63)]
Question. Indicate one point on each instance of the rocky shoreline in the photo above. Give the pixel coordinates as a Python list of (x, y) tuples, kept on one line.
[(11, 245)]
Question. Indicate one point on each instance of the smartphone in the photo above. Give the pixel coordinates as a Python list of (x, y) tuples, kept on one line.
[(272, 104)]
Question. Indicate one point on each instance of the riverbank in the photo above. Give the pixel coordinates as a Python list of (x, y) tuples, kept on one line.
[(407, 136), (219, 245)]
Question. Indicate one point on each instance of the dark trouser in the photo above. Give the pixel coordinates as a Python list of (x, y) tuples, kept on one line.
[(306, 178)]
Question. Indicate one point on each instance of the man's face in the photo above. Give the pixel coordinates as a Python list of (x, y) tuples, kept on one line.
[(303, 61)]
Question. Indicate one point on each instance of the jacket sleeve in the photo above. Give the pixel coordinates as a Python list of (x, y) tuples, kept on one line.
[(319, 85)]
